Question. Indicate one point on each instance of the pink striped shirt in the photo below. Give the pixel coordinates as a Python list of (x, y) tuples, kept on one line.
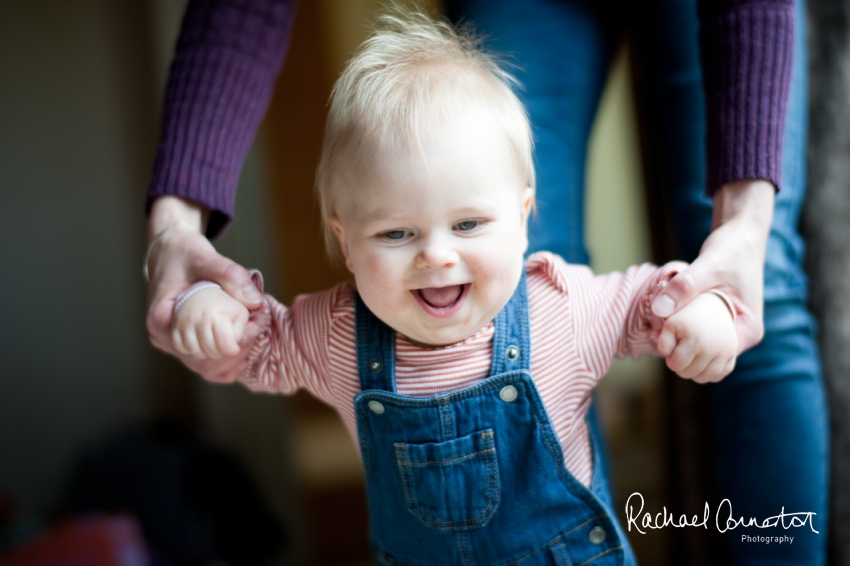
[(579, 322)]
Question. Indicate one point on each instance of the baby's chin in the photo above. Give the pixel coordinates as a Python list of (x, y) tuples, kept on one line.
[(439, 338), (432, 342)]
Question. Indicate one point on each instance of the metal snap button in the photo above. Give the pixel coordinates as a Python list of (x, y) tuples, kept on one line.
[(596, 535), (512, 352), (508, 394), (376, 365), (378, 409)]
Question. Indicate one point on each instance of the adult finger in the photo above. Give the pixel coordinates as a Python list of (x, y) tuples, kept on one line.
[(700, 276), (233, 278)]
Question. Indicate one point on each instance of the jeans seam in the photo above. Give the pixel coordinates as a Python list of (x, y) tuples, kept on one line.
[(561, 551), (446, 428), (528, 555), (577, 527), (458, 459), (603, 553)]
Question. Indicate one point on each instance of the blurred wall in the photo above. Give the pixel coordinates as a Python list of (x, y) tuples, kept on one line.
[(76, 136), (80, 88), (827, 231)]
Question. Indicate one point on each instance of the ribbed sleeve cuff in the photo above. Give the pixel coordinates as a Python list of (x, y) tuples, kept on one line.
[(219, 88), (746, 57)]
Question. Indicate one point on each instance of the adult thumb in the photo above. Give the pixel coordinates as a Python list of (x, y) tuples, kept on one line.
[(234, 279), (683, 289)]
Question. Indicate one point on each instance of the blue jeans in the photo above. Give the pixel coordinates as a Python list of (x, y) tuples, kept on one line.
[(769, 416)]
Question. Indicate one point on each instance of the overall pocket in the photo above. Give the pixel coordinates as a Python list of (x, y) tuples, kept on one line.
[(451, 485)]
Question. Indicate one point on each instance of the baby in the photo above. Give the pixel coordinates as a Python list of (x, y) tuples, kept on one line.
[(462, 370)]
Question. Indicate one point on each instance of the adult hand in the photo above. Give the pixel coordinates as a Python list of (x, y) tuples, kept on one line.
[(183, 256), (731, 259)]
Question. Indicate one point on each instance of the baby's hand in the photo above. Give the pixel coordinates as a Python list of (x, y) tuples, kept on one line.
[(699, 342), (209, 325)]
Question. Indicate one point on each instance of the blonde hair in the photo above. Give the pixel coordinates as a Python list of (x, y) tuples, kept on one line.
[(409, 71)]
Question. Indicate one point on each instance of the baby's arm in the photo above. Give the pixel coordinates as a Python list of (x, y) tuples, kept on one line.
[(287, 351), (699, 342), (612, 317)]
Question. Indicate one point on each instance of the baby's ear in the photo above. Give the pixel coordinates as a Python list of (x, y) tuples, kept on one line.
[(527, 207), (336, 226), (527, 202)]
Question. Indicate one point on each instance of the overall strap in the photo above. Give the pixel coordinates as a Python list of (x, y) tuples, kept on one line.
[(375, 349), (512, 337)]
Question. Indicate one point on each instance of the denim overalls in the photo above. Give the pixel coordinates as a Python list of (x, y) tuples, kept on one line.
[(475, 476)]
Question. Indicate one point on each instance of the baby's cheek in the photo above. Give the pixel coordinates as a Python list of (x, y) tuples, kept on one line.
[(379, 284), (375, 274), (501, 267), (368, 259)]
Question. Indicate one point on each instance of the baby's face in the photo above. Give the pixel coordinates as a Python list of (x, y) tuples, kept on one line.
[(435, 233)]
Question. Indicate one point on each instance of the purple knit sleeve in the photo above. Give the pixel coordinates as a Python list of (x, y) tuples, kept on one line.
[(224, 69), (746, 48)]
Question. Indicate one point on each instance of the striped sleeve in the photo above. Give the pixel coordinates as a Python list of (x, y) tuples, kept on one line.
[(293, 352), (611, 313)]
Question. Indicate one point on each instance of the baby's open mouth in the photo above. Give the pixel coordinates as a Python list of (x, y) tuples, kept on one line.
[(441, 297), (441, 301)]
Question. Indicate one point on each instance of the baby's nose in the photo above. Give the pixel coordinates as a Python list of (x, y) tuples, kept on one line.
[(436, 253)]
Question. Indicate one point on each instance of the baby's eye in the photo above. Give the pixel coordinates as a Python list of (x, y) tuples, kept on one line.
[(395, 234), (467, 225)]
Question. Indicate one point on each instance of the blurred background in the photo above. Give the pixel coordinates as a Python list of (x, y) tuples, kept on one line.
[(92, 418)]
